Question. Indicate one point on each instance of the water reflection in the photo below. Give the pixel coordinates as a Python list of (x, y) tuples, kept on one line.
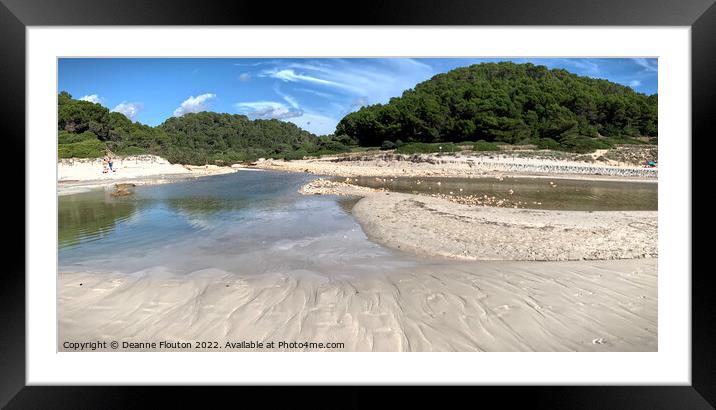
[(249, 222), (538, 193), (90, 216), (256, 222)]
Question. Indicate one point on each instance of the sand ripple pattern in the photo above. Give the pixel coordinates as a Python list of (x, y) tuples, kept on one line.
[(487, 306)]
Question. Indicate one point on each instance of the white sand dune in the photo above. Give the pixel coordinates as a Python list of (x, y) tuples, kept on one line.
[(442, 306)]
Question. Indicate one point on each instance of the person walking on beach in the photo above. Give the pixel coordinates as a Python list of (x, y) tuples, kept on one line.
[(105, 162)]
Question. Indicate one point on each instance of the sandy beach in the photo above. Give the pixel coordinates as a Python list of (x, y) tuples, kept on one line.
[(78, 175), (468, 165), (490, 306), (489, 279), (433, 226)]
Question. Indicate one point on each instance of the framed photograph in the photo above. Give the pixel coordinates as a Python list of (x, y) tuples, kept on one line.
[(488, 195)]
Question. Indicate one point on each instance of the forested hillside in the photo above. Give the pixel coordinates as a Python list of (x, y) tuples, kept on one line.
[(86, 129), (208, 136), (491, 102), (511, 103)]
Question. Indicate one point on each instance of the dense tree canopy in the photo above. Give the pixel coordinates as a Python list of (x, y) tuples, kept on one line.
[(86, 129), (507, 102), (232, 138)]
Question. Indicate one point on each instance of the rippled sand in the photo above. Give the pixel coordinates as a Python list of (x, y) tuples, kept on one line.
[(478, 306)]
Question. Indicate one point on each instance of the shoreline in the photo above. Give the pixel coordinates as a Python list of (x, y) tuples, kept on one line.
[(434, 304), (439, 227), (460, 166), (81, 175), (436, 227)]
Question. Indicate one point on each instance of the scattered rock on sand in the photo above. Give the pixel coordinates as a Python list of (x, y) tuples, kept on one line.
[(324, 186)]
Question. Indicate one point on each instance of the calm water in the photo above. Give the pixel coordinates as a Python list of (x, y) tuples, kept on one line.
[(256, 222), (566, 194), (247, 222)]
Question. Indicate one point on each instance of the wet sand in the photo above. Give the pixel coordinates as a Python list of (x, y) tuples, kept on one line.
[(485, 306)]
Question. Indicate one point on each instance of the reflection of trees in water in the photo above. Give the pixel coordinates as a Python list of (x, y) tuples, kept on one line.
[(90, 215), (204, 205)]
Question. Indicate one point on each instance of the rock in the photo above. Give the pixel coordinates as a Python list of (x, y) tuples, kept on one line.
[(120, 193)]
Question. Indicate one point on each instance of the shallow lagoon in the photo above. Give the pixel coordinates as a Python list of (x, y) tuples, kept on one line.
[(246, 222), (253, 222)]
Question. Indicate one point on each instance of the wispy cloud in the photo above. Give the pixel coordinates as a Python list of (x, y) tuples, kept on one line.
[(289, 99), (342, 85), (93, 98), (316, 123), (379, 79), (267, 110), (316, 93), (359, 102), (634, 83), (587, 67), (129, 109), (194, 104), (290, 75), (648, 64), (245, 77)]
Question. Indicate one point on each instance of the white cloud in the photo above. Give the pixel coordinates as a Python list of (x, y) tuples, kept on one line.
[(130, 110), (348, 83), (245, 77), (359, 102), (634, 83), (380, 79), (289, 99), (268, 110), (316, 93), (289, 75), (315, 123), (588, 67), (194, 104), (649, 64), (93, 98)]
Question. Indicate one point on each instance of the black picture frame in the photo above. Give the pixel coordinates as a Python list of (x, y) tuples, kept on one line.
[(16, 15)]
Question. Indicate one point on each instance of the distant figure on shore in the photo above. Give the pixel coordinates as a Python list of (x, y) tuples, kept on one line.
[(108, 162)]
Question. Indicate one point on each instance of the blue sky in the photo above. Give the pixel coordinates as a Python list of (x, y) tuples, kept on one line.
[(313, 93)]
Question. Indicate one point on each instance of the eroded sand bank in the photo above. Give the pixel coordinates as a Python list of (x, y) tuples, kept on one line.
[(456, 306)]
